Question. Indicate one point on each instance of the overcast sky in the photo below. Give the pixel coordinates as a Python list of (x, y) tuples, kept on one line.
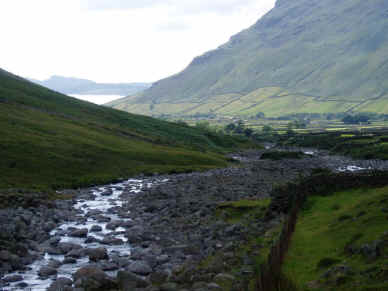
[(116, 40)]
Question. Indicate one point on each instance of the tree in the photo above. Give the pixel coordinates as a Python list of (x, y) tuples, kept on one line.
[(248, 132), (230, 127), (260, 115), (267, 129), (240, 127)]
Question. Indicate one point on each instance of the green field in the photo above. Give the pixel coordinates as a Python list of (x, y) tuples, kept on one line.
[(50, 141), (341, 242)]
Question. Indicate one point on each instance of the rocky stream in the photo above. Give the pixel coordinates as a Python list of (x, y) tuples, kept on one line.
[(135, 234)]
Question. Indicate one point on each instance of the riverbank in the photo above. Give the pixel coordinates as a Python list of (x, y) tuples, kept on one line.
[(171, 227)]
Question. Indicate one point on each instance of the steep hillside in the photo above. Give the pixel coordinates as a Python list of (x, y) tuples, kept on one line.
[(303, 56), (48, 140), (67, 85)]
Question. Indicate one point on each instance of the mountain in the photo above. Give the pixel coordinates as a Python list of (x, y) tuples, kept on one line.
[(303, 56), (49, 140), (67, 85)]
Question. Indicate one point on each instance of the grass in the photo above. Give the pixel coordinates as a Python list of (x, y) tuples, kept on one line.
[(50, 141), (327, 228)]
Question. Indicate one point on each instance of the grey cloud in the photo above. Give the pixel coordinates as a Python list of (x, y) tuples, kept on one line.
[(181, 6)]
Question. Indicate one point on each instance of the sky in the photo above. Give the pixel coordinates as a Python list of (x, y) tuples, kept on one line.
[(116, 40)]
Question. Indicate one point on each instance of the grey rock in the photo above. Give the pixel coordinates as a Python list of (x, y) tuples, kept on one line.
[(140, 268), (96, 228), (61, 284), (47, 271), (93, 278), (13, 278), (97, 254), (128, 281), (83, 232)]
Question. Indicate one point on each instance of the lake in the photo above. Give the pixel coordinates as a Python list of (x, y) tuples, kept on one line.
[(97, 99)]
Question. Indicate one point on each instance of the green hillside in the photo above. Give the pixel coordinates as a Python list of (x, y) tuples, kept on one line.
[(49, 140), (340, 242), (303, 56)]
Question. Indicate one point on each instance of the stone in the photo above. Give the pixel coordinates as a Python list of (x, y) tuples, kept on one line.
[(69, 261), (159, 277), (112, 241), (224, 279), (67, 247), (60, 284), (83, 232), (170, 286), (128, 281), (140, 268), (96, 228), (93, 279), (13, 278), (97, 254), (46, 271)]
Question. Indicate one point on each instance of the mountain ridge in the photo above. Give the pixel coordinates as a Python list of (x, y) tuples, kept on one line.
[(306, 56), (72, 85)]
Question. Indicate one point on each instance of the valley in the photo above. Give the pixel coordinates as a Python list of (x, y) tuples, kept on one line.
[(168, 231)]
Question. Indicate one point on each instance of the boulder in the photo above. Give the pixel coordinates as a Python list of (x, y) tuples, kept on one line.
[(91, 278), (97, 254), (128, 281), (140, 268), (61, 284), (47, 271), (13, 278), (83, 232), (95, 228)]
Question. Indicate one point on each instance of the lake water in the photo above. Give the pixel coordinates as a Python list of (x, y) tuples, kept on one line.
[(97, 99)]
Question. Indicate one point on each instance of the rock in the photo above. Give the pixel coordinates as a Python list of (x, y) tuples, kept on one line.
[(112, 241), (140, 268), (76, 253), (91, 239), (46, 271), (107, 193), (96, 228), (83, 232), (13, 278), (213, 286), (5, 256), (55, 264), (162, 259), (224, 279), (169, 287), (113, 225), (67, 247), (69, 261), (159, 277), (128, 281), (61, 284), (93, 279), (22, 285), (97, 254)]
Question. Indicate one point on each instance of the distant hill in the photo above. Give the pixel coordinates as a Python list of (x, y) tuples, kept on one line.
[(49, 140), (67, 85), (303, 56)]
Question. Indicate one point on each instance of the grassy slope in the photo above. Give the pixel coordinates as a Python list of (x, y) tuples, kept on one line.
[(303, 56), (48, 140), (327, 228)]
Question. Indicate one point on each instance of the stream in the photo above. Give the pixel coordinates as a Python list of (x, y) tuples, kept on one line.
[(101, 222), (98, 216)]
